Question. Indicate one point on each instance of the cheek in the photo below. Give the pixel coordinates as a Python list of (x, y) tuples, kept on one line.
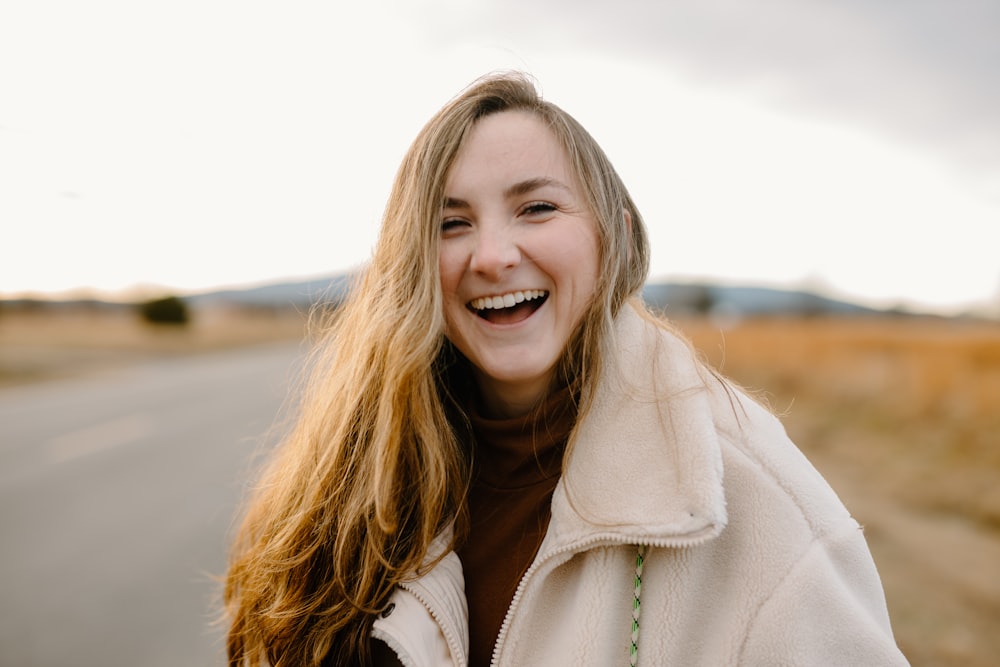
[(448, 279), (581, 259), (449, 271)]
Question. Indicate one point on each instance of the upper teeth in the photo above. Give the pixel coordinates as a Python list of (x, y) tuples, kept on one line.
[(506, 300)]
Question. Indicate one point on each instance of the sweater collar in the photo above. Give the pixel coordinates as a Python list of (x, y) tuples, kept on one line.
[(516, 452), (645, 462)]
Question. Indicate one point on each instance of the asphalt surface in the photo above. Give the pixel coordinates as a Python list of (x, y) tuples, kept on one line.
[(117, 496)]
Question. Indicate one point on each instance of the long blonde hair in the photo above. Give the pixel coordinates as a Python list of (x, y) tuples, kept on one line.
[(373, 468)]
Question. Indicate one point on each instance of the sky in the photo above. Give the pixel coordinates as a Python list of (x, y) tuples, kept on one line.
[(851, 147)]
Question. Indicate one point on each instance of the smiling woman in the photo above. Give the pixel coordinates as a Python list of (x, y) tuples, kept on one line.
[(502, 458)]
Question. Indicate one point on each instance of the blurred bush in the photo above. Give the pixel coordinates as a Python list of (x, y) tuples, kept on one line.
[(167, 310)]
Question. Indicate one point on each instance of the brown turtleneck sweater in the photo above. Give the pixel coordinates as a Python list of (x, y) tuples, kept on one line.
[(516, 465)]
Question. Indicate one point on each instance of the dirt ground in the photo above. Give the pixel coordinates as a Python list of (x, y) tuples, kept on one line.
[(901, 415), (40, 343)]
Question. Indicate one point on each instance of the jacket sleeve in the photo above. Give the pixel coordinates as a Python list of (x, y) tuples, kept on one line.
[(426, 620), (828, 610), (407, 627)]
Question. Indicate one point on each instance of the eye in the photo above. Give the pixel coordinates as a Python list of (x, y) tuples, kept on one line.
[(538, 208), (452, 225)]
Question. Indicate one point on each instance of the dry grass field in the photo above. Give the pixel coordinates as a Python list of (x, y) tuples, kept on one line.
[(901, 415)]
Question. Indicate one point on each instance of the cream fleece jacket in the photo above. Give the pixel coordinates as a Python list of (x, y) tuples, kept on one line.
[(751, 560)]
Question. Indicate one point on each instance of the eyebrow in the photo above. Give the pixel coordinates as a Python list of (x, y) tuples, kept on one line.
[(532, 184), (515, 190)]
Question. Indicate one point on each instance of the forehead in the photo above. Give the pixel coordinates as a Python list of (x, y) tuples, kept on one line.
[(509, 146)]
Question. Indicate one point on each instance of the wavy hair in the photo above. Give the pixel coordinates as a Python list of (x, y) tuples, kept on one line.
[(373, 467)]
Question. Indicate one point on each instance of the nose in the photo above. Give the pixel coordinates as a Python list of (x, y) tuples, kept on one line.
[(495, 252)]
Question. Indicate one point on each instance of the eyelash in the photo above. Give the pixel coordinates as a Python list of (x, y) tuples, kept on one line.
[(538, 207), (451, 223)]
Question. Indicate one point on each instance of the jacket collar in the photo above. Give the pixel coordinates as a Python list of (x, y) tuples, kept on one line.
[(645, 462)]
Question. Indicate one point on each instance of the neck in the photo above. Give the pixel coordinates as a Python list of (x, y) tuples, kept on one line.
[(500, 400)]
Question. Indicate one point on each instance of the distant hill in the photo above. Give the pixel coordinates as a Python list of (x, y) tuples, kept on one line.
[(300, 293), (700, 298)]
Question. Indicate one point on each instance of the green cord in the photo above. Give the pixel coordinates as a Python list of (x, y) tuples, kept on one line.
[(633, 651)]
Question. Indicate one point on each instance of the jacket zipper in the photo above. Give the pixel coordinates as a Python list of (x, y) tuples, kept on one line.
[(583, 545)]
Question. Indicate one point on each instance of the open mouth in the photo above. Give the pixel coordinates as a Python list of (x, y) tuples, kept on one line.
[(508, 308)]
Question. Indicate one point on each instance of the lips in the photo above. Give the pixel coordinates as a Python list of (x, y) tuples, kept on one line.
[(508, 308)]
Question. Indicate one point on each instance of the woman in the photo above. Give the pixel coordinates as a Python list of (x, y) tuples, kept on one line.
[(503, 457)]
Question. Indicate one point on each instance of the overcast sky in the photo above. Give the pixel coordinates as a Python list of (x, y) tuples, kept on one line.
[(851, 145)]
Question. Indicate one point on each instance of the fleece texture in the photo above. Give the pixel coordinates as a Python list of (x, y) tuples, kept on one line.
[(751, 557), (426, 620)]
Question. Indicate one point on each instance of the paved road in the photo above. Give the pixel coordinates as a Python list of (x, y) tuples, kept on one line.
[(116, 495)]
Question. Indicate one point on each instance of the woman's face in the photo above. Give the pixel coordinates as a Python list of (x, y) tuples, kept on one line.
[(518, 258)]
